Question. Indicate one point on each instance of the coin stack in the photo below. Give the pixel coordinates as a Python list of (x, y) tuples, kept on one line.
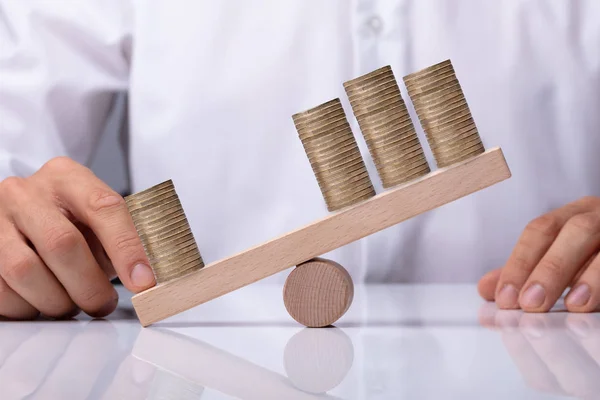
[(387, 127), (334, 155), (444, 114), (164, 230)]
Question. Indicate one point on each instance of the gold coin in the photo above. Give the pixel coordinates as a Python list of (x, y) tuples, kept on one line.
[(388, 153), (164, 231), (368, 79), (151, 192), (450, 135), (436, 92), (385, 123), (333, 154), (432, 70), (370, 93), (435, 85), (394, 142), (462, 157)]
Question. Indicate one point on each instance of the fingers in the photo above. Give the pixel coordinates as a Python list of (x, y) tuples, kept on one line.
[(28, 277), (14, 306), (63, 249), (585, 294), (65, 252), (533, 245), (487, 285), (95, 204), (575, 244), (98, 252)]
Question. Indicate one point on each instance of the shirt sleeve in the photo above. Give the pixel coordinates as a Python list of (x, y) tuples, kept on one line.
[(62, 62)]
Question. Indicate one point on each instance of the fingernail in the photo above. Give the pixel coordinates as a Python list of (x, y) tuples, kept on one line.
[(142, 276), (579, 296), (533, 297), (508, 297)]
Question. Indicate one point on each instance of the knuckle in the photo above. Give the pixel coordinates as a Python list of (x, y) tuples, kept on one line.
[(128, 243), (12, 186), (554, 267), (589, 222), (104, 200), (547, 225), (591, 201), (519, 262), (19, 269), (59, 164), (62, 240)]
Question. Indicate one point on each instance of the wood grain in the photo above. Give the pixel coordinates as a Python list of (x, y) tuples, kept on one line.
[(318, 292), (337, 229)]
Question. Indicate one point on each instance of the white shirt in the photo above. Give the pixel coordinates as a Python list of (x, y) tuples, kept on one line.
[(212, 87)]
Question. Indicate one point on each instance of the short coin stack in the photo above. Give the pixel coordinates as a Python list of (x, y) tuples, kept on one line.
[(164, 230), (334, 155), (444, 114), (387, 127)]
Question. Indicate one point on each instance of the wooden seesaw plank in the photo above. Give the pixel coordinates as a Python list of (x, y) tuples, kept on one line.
[(335, 230)]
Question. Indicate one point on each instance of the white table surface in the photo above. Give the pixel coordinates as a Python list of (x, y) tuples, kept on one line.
[(395, 342)]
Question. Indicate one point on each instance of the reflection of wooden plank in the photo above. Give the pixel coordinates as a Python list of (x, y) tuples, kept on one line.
[(337, 229), (202, 364)]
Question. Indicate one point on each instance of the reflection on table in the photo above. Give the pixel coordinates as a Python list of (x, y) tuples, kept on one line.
[(159, 364), (557, 352), (396, 342), (316, 360)]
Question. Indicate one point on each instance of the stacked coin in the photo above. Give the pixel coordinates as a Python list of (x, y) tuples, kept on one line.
[(334, 155), (387, 127), (164, 230), (444, 114)]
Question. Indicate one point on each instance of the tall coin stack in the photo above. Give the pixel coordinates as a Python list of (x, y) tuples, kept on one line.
[(387, 127), (444, 114), (164, 230), (334, 155)]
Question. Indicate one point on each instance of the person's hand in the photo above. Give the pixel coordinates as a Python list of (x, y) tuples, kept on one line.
[(555, 251), (64, 234)]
